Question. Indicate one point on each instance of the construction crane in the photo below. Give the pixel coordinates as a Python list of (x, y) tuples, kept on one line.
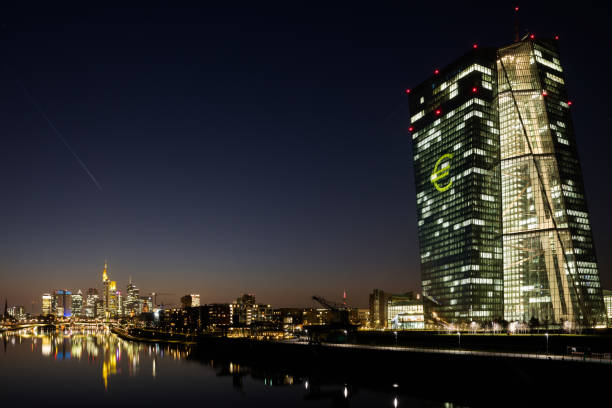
[(340, 309)]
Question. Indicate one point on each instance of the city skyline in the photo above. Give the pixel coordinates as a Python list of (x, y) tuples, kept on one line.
[(310, 192)]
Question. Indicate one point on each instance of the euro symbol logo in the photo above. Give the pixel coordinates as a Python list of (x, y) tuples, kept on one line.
[(442, 172)]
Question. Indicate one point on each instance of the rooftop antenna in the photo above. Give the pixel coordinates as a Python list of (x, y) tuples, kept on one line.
[(516, 24)]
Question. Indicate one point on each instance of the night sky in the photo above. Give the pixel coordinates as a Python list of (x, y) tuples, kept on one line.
[(255, 148)]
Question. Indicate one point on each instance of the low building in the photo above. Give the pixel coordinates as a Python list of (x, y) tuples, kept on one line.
[(405, 312), (607, 295)]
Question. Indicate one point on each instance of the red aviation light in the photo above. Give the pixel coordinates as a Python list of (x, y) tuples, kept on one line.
[(475, 46), (410, 129), (438, 111), (474, 90), (408, 91), (437, 71), (556, 37), (544, 93), (516, 8), (532, 36), (569, 103)]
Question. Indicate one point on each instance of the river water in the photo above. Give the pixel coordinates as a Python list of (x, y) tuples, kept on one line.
[(97, 368)]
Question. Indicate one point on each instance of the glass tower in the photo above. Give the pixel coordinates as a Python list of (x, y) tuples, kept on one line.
[(550, 270), (455, 135), (504, 228)]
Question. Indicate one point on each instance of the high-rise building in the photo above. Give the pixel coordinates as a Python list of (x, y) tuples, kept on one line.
[(91, 303), (46, 304), (195, 299), (77, 303), (550, 269), (62, 300), (132, 305), (503, 221), (456, 159)]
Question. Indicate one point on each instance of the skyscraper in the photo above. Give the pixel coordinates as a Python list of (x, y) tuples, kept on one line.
[(77, 303), (503, 221), (455, 138), (550, 269), (46, 304)]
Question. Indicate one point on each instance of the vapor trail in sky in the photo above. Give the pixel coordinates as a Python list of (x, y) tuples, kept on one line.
[(58, 133)]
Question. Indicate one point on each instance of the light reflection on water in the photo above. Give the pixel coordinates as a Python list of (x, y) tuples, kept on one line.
[(112, 357)]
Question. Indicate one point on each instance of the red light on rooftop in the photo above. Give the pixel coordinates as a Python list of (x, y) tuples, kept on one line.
[(569, 103), (544, 93), (532, 36), (556, 37), (408, 91), (437, 71), (475, 46), (474, 89), (438, 111), (516, 8), (410, 129)]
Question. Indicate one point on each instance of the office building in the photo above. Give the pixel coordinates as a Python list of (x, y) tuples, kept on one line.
[(62, 303), (47, 304), (77, 303), (455, 136), (607, 295), (503, 221), (550, 269), (405, 312)]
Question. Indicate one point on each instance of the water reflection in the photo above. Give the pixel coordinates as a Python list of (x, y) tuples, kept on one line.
[(112, 357)]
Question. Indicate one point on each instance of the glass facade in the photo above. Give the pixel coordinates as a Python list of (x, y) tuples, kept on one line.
[(503, 222), (550, 270), (456, 159)]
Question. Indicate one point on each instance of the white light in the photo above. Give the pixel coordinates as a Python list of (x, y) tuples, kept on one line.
[(395, 402), (345, 392)]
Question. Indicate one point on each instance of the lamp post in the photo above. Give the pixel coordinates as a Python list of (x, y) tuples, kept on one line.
[(546, 343), (459, 337), (395, 333)]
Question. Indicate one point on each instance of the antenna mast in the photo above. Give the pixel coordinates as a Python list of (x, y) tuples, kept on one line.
[(516, 24)]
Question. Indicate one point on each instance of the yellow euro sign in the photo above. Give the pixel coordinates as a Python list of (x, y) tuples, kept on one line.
[(439, 174)]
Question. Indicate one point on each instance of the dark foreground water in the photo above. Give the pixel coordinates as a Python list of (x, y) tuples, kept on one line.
[(96, 368)]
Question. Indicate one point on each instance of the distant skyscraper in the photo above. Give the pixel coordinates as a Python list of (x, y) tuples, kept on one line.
[(501, 205), (195, 300), (46, 304), (91, 303), (77, 303), (63, 303), (132, 305)]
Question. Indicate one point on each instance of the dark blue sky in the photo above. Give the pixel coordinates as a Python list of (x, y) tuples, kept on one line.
[(258, 148)]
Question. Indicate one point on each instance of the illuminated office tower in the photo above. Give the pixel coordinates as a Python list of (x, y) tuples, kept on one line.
[(47, 304), (77, 303), (62, 299), (91, 303), (550, 270), (500, 194), (132, 306), (454, 126), (106, 290)]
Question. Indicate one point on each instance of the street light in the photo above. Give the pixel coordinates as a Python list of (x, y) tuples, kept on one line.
[(459, 337), (395, 333), (546, 343)]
